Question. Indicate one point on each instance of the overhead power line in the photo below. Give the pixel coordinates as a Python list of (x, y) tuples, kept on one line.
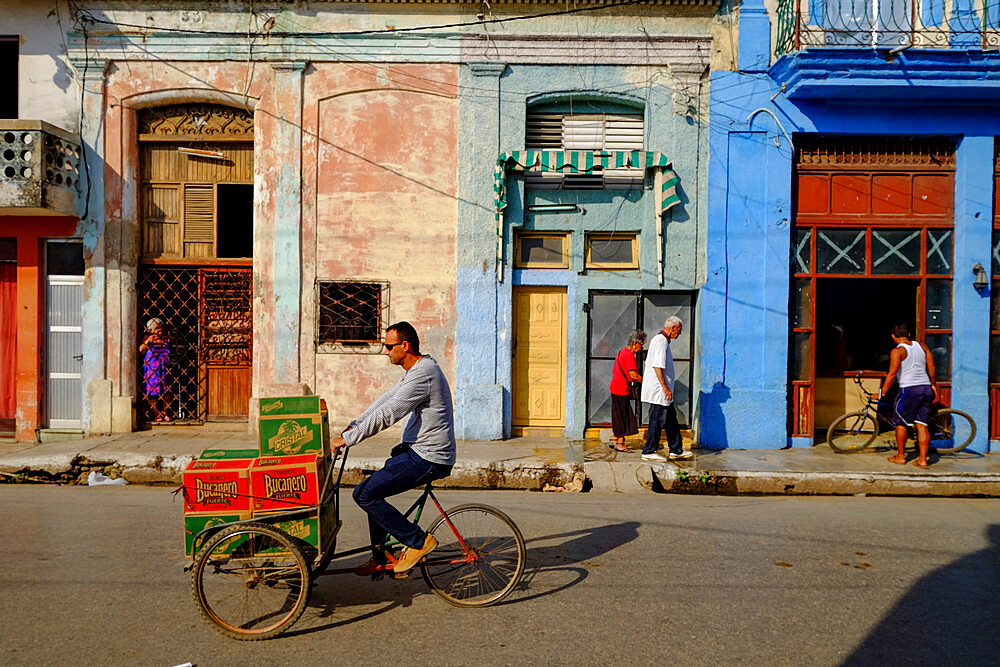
[(86, 16)]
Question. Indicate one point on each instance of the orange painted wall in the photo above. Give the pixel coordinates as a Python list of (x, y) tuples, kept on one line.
[(30, 233)]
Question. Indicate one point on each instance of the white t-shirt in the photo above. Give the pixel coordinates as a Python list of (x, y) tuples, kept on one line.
[(659, 356)]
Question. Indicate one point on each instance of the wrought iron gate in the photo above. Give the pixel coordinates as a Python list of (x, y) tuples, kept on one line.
[(207, 315)]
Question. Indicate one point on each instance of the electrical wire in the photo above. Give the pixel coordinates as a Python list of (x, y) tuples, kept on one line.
[(87, 16)]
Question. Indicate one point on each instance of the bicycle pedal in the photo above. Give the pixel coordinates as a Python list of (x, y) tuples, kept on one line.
[(399, 576)]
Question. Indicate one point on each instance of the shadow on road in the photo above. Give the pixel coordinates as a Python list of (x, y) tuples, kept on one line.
[(553, 564), (546, 563), (948, 617)]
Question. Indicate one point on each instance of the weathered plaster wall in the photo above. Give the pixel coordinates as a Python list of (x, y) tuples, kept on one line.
[(380, 203), (485, 306), (745, 298), (47, 85), (338, 191)]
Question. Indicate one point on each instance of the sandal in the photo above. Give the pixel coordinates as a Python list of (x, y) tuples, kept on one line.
[(620, 448)]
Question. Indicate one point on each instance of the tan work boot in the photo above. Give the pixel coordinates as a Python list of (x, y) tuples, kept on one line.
[(412, 556)]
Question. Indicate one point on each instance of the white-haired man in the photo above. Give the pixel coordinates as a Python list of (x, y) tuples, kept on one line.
[(658, 392)]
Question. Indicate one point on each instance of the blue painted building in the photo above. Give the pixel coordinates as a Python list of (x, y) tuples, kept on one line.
[(549, 289), (851, 187)]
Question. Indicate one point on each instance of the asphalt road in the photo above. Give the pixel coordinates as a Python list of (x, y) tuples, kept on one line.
[(94, 576)]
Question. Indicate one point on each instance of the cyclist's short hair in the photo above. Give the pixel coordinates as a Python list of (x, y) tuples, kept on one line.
[(405, 331), (900, 331)]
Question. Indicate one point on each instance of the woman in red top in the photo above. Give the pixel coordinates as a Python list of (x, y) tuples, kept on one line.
[(623, 421)]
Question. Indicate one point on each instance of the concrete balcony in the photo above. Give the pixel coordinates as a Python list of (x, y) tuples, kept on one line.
[(39, 169)]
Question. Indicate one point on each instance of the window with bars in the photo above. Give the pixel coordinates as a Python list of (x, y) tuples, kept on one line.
[(352, 315), (585, 132)]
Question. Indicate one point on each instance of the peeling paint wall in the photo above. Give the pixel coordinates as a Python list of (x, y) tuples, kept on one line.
[(380, 189), (373, 158)]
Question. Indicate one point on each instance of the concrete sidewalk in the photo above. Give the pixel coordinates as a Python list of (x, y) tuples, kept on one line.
[(158, 456)]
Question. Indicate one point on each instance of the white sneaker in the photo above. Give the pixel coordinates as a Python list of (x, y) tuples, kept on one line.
[(653, 457), (682, 455)]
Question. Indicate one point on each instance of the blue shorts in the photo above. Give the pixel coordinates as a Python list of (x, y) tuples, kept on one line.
[(913, 405)]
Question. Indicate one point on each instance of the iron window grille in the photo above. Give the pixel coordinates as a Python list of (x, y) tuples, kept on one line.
[(352, 315)]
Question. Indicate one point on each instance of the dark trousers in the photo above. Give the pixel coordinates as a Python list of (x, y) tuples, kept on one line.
[(401, 472), (662, 417)]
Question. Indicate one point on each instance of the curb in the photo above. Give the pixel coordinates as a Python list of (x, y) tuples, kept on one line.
[(152, 469), (674, 479)]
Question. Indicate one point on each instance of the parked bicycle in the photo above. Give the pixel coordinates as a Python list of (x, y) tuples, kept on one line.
[(252, 580), (951, 430)]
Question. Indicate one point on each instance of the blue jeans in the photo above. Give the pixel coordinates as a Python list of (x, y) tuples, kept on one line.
[(401, 472), (662, 417)]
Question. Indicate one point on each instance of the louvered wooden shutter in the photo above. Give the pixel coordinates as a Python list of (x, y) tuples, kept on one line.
[(199, 220), (585, 132), (543, 131), (623, 132)]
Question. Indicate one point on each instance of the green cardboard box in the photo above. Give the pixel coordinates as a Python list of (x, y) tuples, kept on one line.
[(317, 529), (219, 453), (292, 425), (290, 405), (195, 523)]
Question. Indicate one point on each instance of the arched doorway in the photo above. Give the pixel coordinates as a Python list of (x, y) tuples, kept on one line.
[(195, 263)]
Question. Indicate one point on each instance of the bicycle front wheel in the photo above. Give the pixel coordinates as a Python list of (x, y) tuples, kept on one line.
[(852, 432), (479, 559), (951, 431), (251, 581)]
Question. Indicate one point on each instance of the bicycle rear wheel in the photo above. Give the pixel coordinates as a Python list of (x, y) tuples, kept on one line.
[(852, 432), (251, 581), (951, 431), (487, 568)]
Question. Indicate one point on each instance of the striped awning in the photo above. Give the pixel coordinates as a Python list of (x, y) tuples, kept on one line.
[(583, 162)]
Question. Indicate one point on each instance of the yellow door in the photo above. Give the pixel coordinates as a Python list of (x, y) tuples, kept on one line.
[(539, 383)]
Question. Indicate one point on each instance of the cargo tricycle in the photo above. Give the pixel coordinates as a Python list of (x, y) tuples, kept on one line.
[(251, 579)]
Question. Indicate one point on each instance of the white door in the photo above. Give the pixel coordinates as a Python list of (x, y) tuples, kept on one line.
[(64, 333)]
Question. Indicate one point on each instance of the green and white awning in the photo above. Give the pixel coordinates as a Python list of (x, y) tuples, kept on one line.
[(582, 162)]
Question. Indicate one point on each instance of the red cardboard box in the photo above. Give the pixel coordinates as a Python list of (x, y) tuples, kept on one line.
[(217, 486), (286, 482)]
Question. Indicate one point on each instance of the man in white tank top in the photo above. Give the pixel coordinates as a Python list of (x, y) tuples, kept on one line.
[(912, 366)]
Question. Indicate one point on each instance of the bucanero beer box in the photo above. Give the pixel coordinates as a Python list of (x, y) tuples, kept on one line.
[(292, 425), (217, 487), (287, 482), (195, 523), (218, 453)]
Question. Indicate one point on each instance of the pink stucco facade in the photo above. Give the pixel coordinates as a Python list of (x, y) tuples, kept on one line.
[(371, 151)]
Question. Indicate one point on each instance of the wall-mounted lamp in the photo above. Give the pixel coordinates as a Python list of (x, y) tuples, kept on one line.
[(198, 152), (554, 208), (982, 278)]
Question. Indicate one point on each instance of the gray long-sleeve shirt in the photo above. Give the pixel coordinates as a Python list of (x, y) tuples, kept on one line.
[(423, 391)]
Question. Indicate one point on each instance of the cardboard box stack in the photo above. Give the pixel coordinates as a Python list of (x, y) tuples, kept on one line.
[(287, 471)]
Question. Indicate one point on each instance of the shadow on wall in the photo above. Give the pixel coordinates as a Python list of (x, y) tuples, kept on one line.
[(948, 617), (712, 432)]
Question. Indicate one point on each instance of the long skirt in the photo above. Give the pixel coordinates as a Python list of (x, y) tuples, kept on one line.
[(622, 416)]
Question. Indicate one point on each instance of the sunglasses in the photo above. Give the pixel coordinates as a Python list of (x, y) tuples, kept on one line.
[(389, 346)]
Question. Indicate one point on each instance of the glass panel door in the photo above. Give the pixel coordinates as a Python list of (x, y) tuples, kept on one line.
[(613, 317)]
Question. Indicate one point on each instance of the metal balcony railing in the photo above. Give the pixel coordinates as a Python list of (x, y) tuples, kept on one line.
[(39, 169), (887, 24)]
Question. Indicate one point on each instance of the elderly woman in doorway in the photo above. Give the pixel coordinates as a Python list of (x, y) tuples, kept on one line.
[(625, 372), (155, 352)]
